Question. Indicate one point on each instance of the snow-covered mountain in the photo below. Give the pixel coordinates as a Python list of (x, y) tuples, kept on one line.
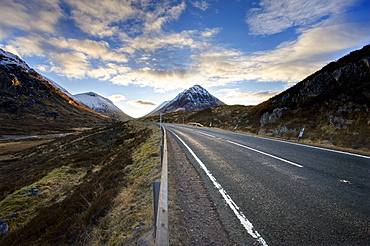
[(101, 105), (190, 99), (32, 102)]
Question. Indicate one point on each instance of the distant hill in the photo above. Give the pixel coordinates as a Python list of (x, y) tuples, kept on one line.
[(30, 102), (333, 105), (101, 105), (194, 98)]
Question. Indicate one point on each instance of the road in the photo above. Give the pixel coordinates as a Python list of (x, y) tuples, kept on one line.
[(271, 192)]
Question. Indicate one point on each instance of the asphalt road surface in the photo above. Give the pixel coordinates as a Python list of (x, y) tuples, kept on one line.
[(271, 192)]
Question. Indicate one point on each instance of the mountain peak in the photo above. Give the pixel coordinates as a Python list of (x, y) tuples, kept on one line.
[(101, 105), (196, 87), (7, 58), (194, 98), (92, 94)]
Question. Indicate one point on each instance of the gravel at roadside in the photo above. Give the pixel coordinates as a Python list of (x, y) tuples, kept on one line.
[(193, 218)]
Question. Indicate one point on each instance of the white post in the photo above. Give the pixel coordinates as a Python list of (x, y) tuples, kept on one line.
[(300, 134), (160, 119)]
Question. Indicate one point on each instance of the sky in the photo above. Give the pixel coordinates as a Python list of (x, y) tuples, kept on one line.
[(139, 53)]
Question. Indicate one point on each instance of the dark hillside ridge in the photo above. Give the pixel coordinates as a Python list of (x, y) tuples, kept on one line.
[(349, 75), (31, 101)]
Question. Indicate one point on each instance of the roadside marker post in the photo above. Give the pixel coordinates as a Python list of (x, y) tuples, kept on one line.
[(156, 188), (300, 134)]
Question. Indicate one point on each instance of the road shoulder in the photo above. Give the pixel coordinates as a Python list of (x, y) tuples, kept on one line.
[(194, 219)]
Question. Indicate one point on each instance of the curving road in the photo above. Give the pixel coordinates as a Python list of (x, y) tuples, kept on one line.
[(271, 192)]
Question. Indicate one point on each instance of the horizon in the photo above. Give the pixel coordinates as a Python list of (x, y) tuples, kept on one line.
[(141, 53)]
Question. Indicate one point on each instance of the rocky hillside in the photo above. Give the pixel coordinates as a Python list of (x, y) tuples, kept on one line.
[(194, 98), (333, 101), (101, 105), (31, 102)]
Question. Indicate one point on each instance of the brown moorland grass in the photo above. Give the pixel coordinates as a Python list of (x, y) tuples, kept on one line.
[(93, 188)]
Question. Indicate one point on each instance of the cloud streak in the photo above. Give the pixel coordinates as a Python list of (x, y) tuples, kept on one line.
[(201, 4), (117, 98), (142, 102), (276, 16), (237, 96), (40, 17)]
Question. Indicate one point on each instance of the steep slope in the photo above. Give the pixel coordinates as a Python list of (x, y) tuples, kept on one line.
[(30, 102), (339, 92), (194, 98), (101, 105)]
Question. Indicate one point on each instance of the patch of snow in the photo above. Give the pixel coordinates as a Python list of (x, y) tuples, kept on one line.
[(7, 58)]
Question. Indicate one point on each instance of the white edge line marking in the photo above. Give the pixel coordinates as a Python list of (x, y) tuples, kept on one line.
[(264, 153), (244, 221)]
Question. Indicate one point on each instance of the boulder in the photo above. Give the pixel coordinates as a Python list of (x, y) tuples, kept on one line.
[(4, 228)]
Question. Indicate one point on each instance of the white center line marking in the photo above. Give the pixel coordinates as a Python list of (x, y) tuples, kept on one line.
[(239, 214), (303, 145), (264, 153), (209, 135)]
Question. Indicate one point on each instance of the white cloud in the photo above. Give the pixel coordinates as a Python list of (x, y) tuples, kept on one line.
[(293, 61), (108, 71), (42, 16), (143, 104), (201, 4), (100, 18), (236, 96), (163, 14), (117, 98), (95, 59), (4, 33), (71, 65), (27, 46), (92, 49), (97, 17), (276, 16)]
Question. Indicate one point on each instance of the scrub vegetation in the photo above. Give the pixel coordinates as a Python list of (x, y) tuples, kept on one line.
[(91, 188)]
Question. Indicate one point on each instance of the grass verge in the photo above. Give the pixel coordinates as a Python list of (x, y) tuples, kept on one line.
[(93, 188)]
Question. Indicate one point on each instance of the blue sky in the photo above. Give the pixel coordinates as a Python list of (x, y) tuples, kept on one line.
[(140, 53)]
